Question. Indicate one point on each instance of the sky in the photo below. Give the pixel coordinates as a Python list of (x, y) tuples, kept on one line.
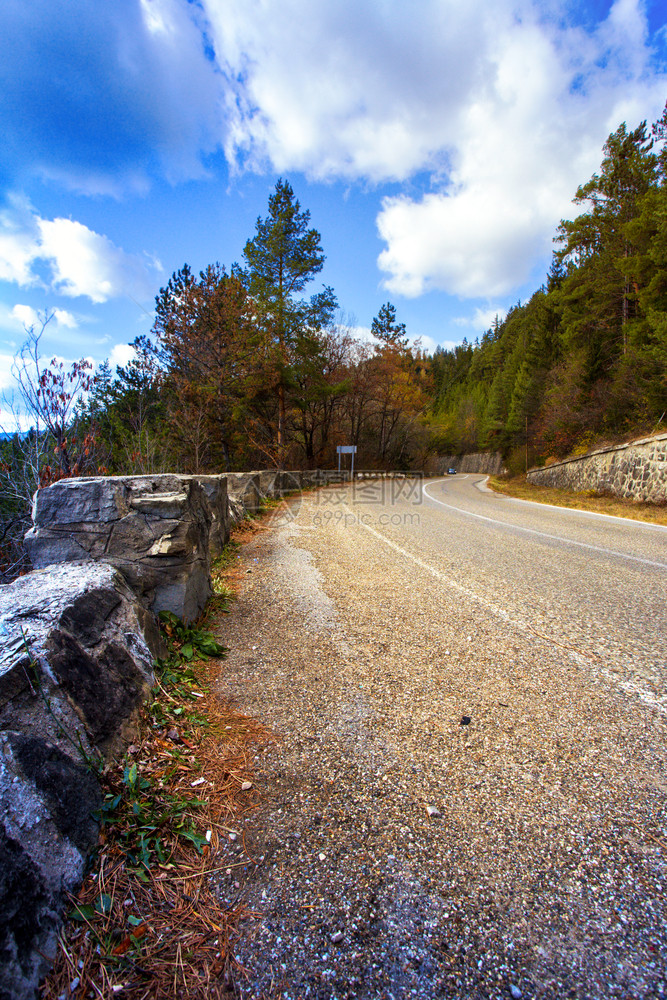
[(436, 145)]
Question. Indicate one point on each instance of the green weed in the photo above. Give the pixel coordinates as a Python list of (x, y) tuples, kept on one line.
[(189, 641)]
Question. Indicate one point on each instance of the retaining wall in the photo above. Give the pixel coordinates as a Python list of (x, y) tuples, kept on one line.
[(636, 470), (78, 638)]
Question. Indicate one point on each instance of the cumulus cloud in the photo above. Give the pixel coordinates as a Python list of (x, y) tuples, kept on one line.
[(340, 88), (18, 242), (64, 318), (524, 146), (504, 107), (496, 111), (482, 318), (70, 259)]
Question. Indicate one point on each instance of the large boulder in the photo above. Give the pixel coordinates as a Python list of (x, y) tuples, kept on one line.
[(269, 484), (75, 665), (276, 483), (75, 637), (154, 529)]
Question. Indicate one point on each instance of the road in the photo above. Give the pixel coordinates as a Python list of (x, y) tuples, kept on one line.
[(468, 793)]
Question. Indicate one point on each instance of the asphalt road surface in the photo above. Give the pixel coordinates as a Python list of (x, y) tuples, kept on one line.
[(467, 793)]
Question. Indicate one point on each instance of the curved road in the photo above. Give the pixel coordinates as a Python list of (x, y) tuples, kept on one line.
[(468, 795)]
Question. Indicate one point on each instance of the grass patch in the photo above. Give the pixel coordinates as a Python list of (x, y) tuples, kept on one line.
[(600, 503)]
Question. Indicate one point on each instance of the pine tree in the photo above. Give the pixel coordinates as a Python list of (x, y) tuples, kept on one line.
[(385, 328), (284, 255)]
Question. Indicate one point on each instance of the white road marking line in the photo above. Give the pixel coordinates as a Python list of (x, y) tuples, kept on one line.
[(544, 534), (627, 521), (442, 577), (580, 656)]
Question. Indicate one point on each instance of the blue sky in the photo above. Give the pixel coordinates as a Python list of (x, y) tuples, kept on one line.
[(435, 144)]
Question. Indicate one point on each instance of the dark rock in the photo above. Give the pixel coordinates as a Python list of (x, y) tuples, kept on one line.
[(77, 634), (104, 688), (86, 618), (70, 790), (74, 666), (244, 487), (215, 488), (28, 923), (46, 832), (236, 509)]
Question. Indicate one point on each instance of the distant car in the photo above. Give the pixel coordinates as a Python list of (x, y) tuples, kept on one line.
[(451, 472)]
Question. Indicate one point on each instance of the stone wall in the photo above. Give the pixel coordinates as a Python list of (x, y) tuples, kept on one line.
[(636, 470)]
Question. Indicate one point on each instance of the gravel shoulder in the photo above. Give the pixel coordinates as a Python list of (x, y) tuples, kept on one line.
[(454, 805)]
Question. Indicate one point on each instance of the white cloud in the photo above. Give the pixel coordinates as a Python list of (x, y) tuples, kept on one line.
[(340, 88), (121, 354), (27, 317), (525, 144), (481, 319), (504, 106), (78, 261), (83, 262), (362, 333), (425, 343), (497, 110), (64, 318), (18, 242)]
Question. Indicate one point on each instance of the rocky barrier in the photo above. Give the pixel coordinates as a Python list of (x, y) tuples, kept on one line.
[(78, 639), (636, 470)]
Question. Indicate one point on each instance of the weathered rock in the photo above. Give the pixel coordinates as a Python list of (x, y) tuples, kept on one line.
[(154, 529), (292, 480), (75, 664), (215, 488), (46, 833), (269, 484), (245, 487), (236, 511), (77, 632)]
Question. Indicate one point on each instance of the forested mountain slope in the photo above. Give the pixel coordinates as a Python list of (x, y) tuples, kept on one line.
[(585, 359)]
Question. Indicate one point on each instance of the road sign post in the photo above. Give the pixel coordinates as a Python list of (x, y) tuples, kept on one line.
[(347, 449)]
